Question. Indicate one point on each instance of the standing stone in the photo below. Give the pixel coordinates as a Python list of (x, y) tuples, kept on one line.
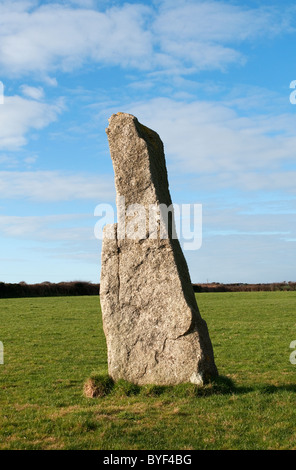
[(153, 328)]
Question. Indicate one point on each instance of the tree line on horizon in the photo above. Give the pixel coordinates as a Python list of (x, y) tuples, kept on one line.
[(80, 288)]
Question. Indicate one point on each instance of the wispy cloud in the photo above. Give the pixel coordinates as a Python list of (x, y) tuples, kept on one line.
[(52, 186), (241, 220), (65, 227), (221, 147), (18, 116), (243, 258), (218, 21), (36, 93)]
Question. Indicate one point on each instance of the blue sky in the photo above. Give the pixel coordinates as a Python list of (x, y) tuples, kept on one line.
[(211, 77)]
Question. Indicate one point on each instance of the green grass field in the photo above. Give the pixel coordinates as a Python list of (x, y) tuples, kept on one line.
[(52, 345)]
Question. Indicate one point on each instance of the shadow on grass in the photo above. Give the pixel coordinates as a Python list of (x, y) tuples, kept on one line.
[(222, 385), (102, 385), (271, 389)]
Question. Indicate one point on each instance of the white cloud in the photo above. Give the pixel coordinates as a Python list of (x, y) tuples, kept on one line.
[(243, 258), (216, 21), (246, 247), (218, 219), (177, 36), (275, 181), (222, 148), (8, 161), (36, 93), (55, 36), (52, 186), (82, 3), (47, 228), (19, 115), (31, 160)]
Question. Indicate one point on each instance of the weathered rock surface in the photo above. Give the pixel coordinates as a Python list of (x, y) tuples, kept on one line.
[(153, 328)]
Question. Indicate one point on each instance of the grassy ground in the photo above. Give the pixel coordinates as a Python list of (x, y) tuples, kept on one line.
[(52, 345)]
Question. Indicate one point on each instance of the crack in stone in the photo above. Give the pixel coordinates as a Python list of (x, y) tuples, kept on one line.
[(158, 353)]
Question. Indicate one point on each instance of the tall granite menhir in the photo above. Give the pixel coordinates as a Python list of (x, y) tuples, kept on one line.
[(153, 328)]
